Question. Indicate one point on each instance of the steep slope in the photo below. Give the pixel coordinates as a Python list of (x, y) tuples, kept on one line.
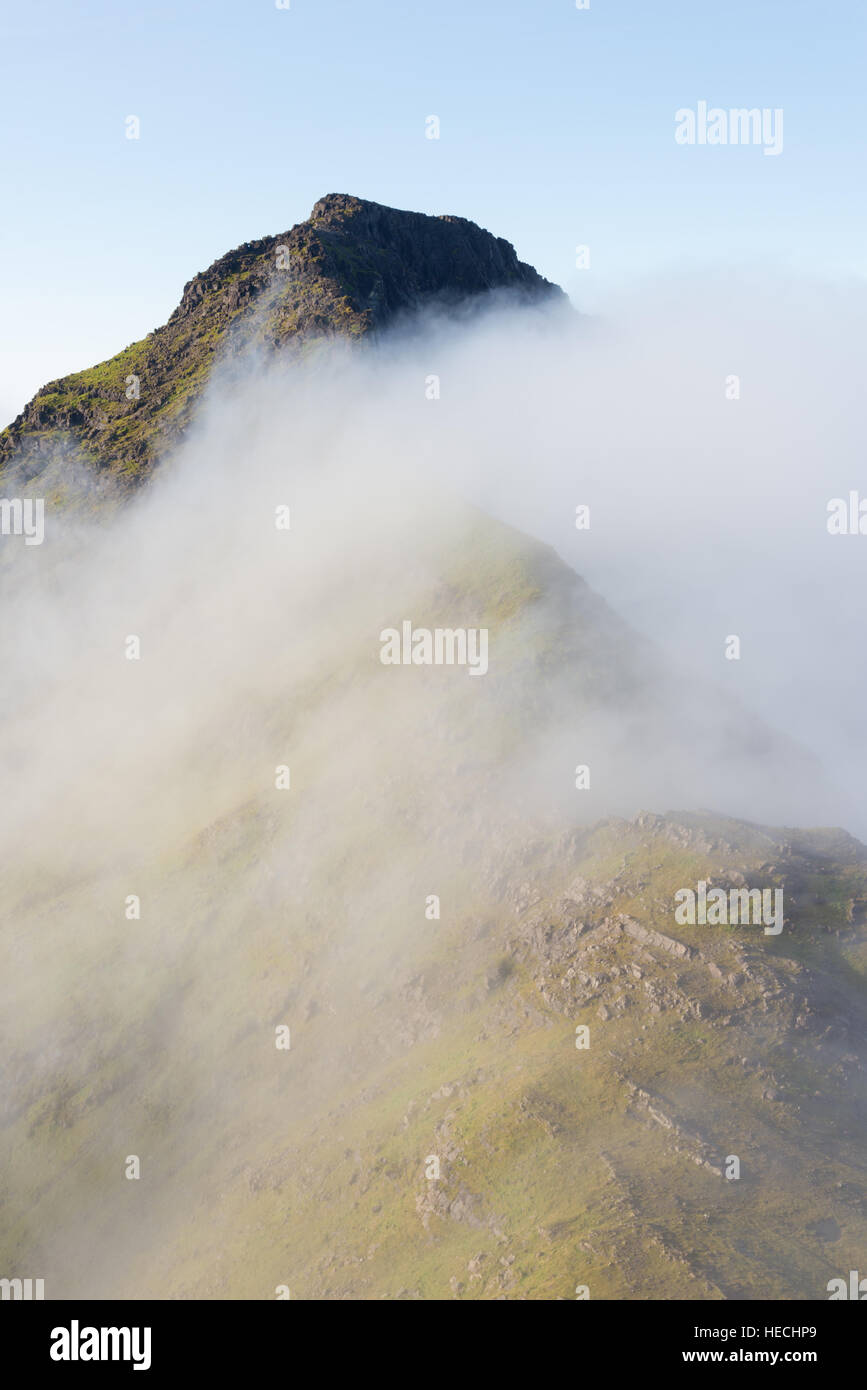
[(348, 271)]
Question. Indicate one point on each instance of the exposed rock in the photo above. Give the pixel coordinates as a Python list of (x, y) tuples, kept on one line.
[(649, 937), (347, 272)]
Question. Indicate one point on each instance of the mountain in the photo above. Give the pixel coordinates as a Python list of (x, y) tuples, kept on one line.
[(334, 1021), (349, 271)]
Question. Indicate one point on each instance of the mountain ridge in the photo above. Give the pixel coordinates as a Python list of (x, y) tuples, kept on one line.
[(287, 999)]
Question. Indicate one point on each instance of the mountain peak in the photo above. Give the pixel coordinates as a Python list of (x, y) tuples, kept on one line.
[(347, 272), (337, 205)]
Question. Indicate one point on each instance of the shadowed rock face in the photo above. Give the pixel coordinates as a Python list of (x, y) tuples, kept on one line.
[(346, 272), (403, 259)]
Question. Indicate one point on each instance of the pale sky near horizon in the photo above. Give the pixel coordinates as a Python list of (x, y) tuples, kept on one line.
[(557, 129)]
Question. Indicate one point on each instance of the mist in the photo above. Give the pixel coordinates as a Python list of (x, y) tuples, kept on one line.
[(249, 770)]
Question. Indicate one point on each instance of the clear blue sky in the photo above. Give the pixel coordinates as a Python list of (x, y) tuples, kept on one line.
[(557, 128)]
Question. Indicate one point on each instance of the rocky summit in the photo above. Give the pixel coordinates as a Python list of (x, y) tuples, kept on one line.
[(351, 269)]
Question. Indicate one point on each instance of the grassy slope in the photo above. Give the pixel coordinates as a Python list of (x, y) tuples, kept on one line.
[(242, 302)]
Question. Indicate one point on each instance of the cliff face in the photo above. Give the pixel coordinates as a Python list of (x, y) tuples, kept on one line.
[(396, 260), (346, 272)]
